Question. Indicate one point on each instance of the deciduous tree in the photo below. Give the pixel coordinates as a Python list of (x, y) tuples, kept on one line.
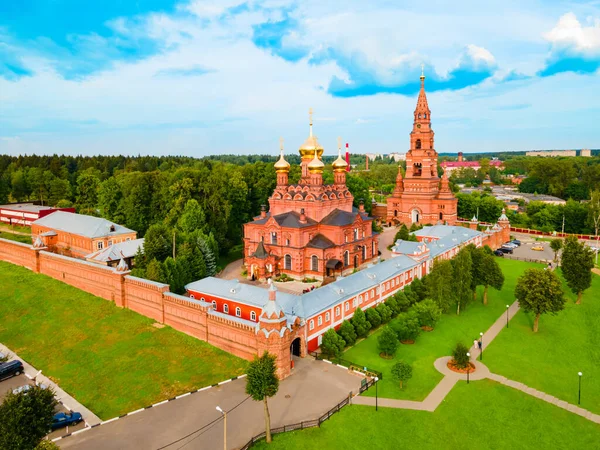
[(332, 344), (428, 313), (539, 291), (577, 262), (346, 331), (556, 245), (490, 274), (461, 270), (402, 372), (440, 284), (373, 317), (387, 341), (360, 323), (406, 326), (262, 383)]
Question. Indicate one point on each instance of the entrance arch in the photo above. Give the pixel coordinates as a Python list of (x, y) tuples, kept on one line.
[(415, 215), (295, 347), (356, 261)]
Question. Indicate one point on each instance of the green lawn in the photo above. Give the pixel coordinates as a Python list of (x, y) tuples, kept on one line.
[(15, 237), (110, 359), (20, 228), (440, 342), (550, 359), (480, 415)]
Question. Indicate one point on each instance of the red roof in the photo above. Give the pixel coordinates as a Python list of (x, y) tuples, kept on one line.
[(494, 162)]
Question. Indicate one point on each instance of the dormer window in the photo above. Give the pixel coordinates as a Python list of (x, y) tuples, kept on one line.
[(112, 228)]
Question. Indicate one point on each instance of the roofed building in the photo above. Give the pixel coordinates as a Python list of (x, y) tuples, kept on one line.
[(113, 254), (25, 214), (79, 235), (311, 229)]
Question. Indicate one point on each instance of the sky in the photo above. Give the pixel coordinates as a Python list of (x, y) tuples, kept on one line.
[(176, 77)]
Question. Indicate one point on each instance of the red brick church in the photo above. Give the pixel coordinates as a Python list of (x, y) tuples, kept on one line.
[(420, 196), (311, 229)]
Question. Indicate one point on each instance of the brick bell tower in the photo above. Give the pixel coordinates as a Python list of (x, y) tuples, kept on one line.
[(420, 196)]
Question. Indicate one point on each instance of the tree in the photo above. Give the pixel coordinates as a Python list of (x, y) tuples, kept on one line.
[(577, 262), (402, 300), (153, 271), (384, 312), (87, 191), (459, 355), (440, 284), (262, 383), (402, 233), (428, 313), (387, 341), (360, 323), (158, 242), (406, 326), (539, 291), (192, 218), (490, 274), (461, 270), (556, 245), (594, 211), (419, 289), (332, 343), (346, 331), (392, 305), (373, 317), (402, 372), (25, 418)]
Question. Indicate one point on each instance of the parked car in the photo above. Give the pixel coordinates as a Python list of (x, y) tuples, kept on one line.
[(27, 387), (516, 242), (510, 245), (62, 419), (504, 249), (498, 252), (11, 369), (538, 248)]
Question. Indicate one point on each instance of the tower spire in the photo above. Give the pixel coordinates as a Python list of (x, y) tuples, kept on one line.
[(310, 113)]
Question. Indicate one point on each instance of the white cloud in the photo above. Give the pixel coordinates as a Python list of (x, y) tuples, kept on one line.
[(569, 33)]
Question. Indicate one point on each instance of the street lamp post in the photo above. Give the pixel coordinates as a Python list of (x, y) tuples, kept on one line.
[(481, 343), (507, 306), (579, 396), (376, 380), (468, 366), (224, 427)]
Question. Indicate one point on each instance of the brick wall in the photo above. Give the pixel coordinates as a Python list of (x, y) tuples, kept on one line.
[(17, 253)]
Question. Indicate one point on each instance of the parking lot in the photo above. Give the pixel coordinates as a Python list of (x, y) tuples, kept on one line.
[(525, 251)]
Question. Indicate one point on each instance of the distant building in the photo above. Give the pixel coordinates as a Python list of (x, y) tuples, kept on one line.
[(25, 214), (551, 153), (451, 166), (397, 156), (112, 255), (586, 152), (79, 235), (373, 156)]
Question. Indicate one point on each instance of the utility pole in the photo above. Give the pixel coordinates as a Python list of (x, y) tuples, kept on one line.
[(173, 243), (563, 226)]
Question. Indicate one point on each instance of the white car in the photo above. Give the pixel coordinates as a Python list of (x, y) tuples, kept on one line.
[(27, 387), (510, 245)]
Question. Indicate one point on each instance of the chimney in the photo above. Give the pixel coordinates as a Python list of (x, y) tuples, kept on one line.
[(302, 216), (460, 157), (366, 162), (263, 211), (361, 205), (347, 158)]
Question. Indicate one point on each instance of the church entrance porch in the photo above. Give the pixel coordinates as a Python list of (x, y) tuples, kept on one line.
[(415, 215), (333, 267)]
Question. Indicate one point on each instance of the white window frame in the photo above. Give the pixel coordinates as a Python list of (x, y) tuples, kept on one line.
[(360, 299), (327, 316), (319, 320), (238, 311), (225, 308), (100, 245), (252, 315), (347, 306), (314, 266), (337, 311), (214, 303), (285, 260), (311, 325)]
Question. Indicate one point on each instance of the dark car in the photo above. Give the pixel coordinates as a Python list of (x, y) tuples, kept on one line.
[(62, 419), (516, 242), (498, 252), (505, 249), (11, 369)]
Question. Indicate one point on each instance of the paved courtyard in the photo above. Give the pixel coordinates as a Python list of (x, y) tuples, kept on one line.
[(313, 389)]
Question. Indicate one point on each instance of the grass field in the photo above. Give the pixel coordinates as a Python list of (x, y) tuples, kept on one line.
[(15, 237), (550, 359), (110, 359), (481, 415), (440, 342)]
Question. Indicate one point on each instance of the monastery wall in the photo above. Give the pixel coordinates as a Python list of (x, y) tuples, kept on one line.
[(18, 253), (229, 335), (145, 297)]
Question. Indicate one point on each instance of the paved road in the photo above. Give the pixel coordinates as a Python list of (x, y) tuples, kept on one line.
[(312, 390), (386, 238)]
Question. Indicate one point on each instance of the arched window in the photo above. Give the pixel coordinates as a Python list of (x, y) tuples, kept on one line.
[(238, 311), (364, 252), (311, 325), (252, 315), (337, 311), (354, 302), (214, 304), (419, 116), (192, 296), (319, 320), (360, 299), (372, 293), (424, 115), (327, 317), (418, 143), (202, 299), (347, 306), (226, 308), (346, 258), (441, 216), (287, 262), (395, 213), (373, 248), (314, 263)]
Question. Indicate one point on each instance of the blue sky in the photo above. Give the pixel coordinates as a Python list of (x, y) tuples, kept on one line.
[(203, 77)]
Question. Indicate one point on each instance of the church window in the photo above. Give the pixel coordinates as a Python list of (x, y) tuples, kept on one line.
[(214, 304), (337, 311), (346, 258), (424, 115), (314, 263), (418, 143), (238, 311), (441, 216), (226, 308), (311, 325), (373, 248), (364, 252), (356, 234), (274, 238), (419, 116), (319, 320), (287, 242), (287, 262), (252, 315), (327, 317)]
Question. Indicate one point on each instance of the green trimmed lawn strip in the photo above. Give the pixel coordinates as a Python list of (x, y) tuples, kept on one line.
[(481, 415), (112, 360), (15, 237), (430, 346), (550, 359)]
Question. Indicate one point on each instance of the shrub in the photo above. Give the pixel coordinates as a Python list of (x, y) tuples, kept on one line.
[(360, 322), (418, 289), (332, 344), (387, 341), (384, 312), (410, 295), (459, 355), (373, 317), (406, 326), (403, 302), (428, 313), (346, 331), (402, 372), (392, 305)]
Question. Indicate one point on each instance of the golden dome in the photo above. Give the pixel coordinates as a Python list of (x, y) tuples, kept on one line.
[(316, 165), (311, 144), (339, 165), (282, 165)]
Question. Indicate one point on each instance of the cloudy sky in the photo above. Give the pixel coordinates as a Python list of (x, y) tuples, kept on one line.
[(203, 77)]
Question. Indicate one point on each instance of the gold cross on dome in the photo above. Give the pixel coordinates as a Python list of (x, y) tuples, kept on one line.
[(310, 113), (281, 143), (339, 142), (422, 69)]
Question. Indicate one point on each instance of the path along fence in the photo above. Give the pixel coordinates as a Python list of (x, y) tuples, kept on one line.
[(369, 372), (533, 260), (310, 423)]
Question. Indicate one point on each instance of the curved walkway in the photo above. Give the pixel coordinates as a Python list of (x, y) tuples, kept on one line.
[(439, 393)]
